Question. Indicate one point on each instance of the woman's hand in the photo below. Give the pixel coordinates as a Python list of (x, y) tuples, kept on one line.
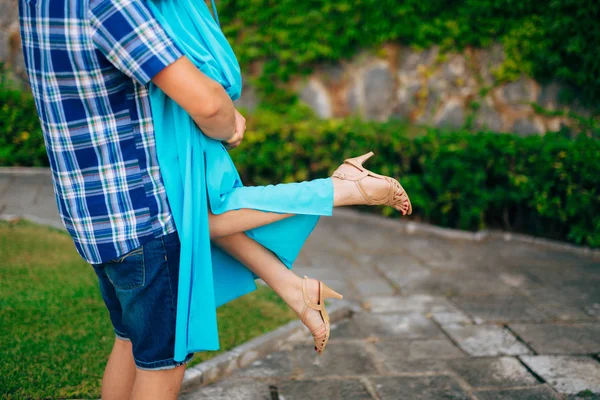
[(240, 129)]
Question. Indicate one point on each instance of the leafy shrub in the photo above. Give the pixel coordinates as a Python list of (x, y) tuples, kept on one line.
[(543, 185), (558, 39), (21, 141)]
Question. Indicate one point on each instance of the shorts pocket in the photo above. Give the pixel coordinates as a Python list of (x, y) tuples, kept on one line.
[(128, 272)]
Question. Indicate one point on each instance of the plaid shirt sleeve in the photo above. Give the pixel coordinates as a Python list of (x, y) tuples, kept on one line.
[(127, 33)]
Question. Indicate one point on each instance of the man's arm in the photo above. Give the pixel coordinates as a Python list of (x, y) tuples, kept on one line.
[(129, 36), (203, 98)]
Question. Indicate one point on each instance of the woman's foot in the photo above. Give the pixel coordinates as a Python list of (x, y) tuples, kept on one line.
[(376, 188), (317, 321), (356, 185)]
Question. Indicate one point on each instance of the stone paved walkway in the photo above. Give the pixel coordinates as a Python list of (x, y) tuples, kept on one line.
[(442, 318)]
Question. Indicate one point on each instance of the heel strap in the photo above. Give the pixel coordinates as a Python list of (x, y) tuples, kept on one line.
[(308, 305), (307, 302)]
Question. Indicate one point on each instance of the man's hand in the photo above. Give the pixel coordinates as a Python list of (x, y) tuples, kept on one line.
[(240, 129)]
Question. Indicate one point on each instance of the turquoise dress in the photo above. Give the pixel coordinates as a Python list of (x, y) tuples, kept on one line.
[(198, 173)]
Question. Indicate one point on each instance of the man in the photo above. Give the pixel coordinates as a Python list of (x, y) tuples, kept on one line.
[(89, 63)]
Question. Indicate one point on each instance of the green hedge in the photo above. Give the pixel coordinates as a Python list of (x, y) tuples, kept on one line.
[(543, 185), (557, 39), (21, 141)]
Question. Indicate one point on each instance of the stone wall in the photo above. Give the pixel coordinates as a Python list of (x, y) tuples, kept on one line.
[(429, 88), (423, 87), (10, 41)]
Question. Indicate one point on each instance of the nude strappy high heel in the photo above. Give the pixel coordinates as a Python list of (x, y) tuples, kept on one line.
[(396, 195), (324, 293)]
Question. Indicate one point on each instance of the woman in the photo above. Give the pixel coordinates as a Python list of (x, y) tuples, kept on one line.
[(231, 234)]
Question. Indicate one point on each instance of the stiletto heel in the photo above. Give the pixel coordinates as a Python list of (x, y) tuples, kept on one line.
[(329, 293), (358, 161), (325, 292), (396, 197)]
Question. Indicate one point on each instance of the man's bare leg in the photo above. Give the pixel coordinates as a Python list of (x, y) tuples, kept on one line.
[(158, 385), (120, 372)]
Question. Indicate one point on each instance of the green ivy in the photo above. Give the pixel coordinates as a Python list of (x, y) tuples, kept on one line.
[(558, 39), (589, 126)]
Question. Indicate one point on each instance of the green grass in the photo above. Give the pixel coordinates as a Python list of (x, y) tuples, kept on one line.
[(55, 334)]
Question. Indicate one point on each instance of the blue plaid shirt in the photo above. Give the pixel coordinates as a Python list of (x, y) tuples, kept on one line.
[(89, 63)]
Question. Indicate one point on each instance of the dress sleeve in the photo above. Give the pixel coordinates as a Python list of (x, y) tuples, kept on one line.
[(127, 33)]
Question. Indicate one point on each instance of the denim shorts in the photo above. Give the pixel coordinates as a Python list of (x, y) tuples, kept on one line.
[(140, 292)]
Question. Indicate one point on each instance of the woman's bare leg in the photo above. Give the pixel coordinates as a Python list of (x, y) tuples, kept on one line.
[(345, 193), (266, 265), (236, 221)]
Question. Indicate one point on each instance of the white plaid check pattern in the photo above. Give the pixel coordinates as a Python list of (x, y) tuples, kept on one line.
[(88, 64)]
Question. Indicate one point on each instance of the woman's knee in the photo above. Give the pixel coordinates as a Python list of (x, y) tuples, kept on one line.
[(213, 227)]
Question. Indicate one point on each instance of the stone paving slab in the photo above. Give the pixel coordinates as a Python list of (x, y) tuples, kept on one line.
[(408, 277), (278, 364), (567, 374), (527, 254), (502, 372), (402, 350), (330, 259), (424, 366), (449, 318), (486, 340), (541, 392), (345, 389), (554, 302), (231, 389), (22, 195), (429, 251), (434, 348), (419, 388), (28, 193), (339, 359), (420, 303), (347, 329), (567, 311), (376, 286), (500, 308), (395, 261), (593, 309), (577, 338), (5, 181), (368, 237), (400, 326), (461, 283)]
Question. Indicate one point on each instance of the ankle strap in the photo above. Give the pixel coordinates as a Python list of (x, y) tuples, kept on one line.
[(344, 176)]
